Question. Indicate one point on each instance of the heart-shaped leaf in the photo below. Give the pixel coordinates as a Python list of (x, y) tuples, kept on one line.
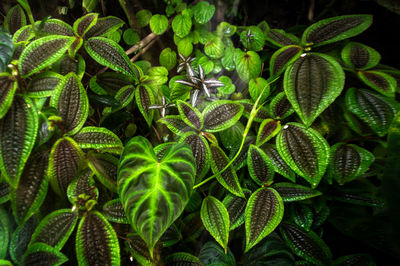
[(235, 207), (168, 58), (181, 25), (268, 129), (98, 138), (154, 192), (360, 56), (113, 210), (293, 192), (55, 229), (281, 166), (143, 17), (40, 253), (7, 91), (280, 38), (43, 52), (96, 241), (15, 19), (256, 87), (72, 103), (175, 124), (215, 219), (252, 38), (221, 115), (248, 65), (312, 83), (32, 188), (144, 99), (304, 150), (375, 110), (348, 161), (105, 167), (18, 130), (335, 29), (264, 212), (280, 107), (182, 258), (203, 12), (228, 179), (158, 24), (104, 26), (261, 169), (190, 115), (379, 81), (284, 57), (85, 23), (44, 84), (64, 163), (214, 48)]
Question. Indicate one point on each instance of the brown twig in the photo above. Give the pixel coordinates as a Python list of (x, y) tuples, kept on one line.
[(143, 43), (133, 59)]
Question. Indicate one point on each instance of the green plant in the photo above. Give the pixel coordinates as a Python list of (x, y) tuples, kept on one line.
[(143, 160)]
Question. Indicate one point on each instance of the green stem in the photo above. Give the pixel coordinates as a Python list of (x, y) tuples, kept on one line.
[(25, 5)]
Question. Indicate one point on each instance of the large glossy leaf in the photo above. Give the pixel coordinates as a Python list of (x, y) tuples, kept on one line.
[(306, 244), (32, 188), (335, 29), (158, 24), (15, 19), (379, 81), (44, 84), (228, 179), (5, 230), (348, 161), (85, 23), (221, 115), (261, 169), (212, 254), (113, 210), (360, 56), (64, 163), (181, 25), (108, 53), (41, 254), (144, 99), (98, 138), (375, 110), (294, 192), (7, 91), (203, 12), (264, 212), (96, 241), (248, 65), (268, 129), (104, 26), (312, 83), (72, 103), (282, 58), (43, 52), (190, 115), (281, 166), (105, 167), (215, 219), (154, 192), (304, 150), (18, 130), (55, 229)]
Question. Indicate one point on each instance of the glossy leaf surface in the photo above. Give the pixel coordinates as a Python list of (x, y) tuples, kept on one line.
[(282, 58), (105, 168), (190, 115)]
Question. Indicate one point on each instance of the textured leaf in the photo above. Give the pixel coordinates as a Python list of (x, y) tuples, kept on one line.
[(108, 53), (281, 166), (261, 169), (214, 48), (280, 107), (203, 12), (72, 103), (43, 52), (306, 244), (268, 129), (55, 229), (348, 161), (379, 81), (68, 64), (211, 254), (154, 192), (256, 87), (18, 130), (23, 34), (335, 29), (104, 26), (41, 254), (232, 137), (54, 27), (312, 83), (144, 99), (64, 163), (44, 84), (168, 58), (15, 19), (252, 38), (82, 186), (304, 150), (221, 115), (105, 167), (235, 207), (181, 25), (7, 91), (85, 23), (98, 138), (96, 241), (375, 110), (114, 212), (360, 56), (261, 115), (264, 212), (280, 38), (32, 188), (201, 152), (302, 215), (158, 24), (215, 219), (293, 192), (4, 191), (109, 83), (182, 258), (248, 65), (190, 115), (175, 124), (284, 57), (5, 230), (20, 239), (143, 16)]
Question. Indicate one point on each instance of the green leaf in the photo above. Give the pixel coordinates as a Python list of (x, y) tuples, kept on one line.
[(228, 179), (104, 26), (355, 259), (15, 19), (158, 24), (304, 150), (105, 167), (185, 47), (5, 263), (18, 131), (7, 91), (145, 187), (203, 12), (224, 29), (72, 103), (32, 188), (98, 138), (228, 59), (379, 81), (4, 191), (109, 83), (108, 53), (43, 52), (252, 38), (211, 254), (44, 84), (125, 96), (281, 166), (68, 64), (190, 115), (264, 212), (83, 24), (280, 38), (175, 124), (90, 5), (302, 215), (214, 48), (20, 239), (248, 65), (248, 104), (228, 87), (157, 76), (131, 37), (53, 27), (179, 258), (283, 58), (293, 192), (312, 83), (96, 241), (113, 210), (261, 169), (375, 110), (256, 87), (268, 129), (55, 229), (335, 29), (360, 56), (82, 186), (5, 230), (143, 17), (235, 207), (6, 49), (181, 25), (215, 219), (144, 99), (280, 107), (64, 164), (168, 58), (221, 115), (40, 253), (22, 35), (306, 245)]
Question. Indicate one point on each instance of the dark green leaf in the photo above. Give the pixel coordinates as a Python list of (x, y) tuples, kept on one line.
[(175, 124), (355, 259), (105, 167), (293, 192), (114, 211), (284, 57), (235, 207), (15, 19), (302, 215), (82, 186), (182, 258), (5, 231), (7, 91), (4, 191), (109, 83), (144, 99), (360, 56), (190, 115), (261, 115), (211, 254), (379, 81), (98, 138), (232, 137), (221, 115), (41, 254), (20, 239), (54, 27), (261, 169), (143, 16)]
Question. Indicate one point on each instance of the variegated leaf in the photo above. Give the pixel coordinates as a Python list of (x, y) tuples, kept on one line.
[(105, 167), (282, 58), (182, 258), (379, 81), (20, 239), (261, 169), (360, 56), (221, 115), (15, 19), (294, 192), (83, 185), (109, 83), (42, 254), (190, 115), (85, 23), (98, 138), (281, 166), (144, 99), (268, 129), (113, 210), (54, 27), (104, 26), (4, 191), (302, 215), (44, 84), (280, 107), (7, 90), (175, 124), (67, 64), (280, 38), (235, 207)]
